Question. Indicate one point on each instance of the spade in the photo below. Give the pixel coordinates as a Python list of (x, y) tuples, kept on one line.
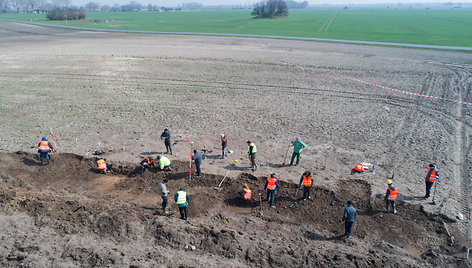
[(261, 212)]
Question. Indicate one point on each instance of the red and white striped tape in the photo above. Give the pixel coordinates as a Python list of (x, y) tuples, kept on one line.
[(379, 86)]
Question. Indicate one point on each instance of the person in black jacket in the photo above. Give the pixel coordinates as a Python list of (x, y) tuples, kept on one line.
[(349, 216), (166, 137), (198, 158)]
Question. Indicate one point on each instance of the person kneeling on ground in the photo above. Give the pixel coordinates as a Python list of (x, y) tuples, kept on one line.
[(102, 165), (362, 168), (307, 181), (390, 196), (146, 164), (246, 193), (44, 148), (181, 199), (164, 163)]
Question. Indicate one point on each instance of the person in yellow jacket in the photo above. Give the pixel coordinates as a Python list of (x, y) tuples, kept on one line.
[(252, 152), (181, 199), (164, 162)]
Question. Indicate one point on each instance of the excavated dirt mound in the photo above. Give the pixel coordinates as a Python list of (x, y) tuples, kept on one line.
[(67, 214)]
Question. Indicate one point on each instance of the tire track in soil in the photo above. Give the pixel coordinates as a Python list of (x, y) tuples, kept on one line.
[(462, 149), (402, 134)]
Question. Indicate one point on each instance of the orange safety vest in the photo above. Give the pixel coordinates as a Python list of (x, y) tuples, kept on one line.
[(271, 183), (433, 176), (44, 146), (359, 168), (307, 181), (247, 193), (101, 164), (148, 161), (393, 195)]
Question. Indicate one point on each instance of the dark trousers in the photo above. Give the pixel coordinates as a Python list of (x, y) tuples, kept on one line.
[(253, 161), (168, 146), (183, 211), (270, 196), (390, 203), (224, 151), (348, 227), (293, 158), (144, 168), (164, 201), (44, 156), (198, 168), (429, 185), (306, 191)]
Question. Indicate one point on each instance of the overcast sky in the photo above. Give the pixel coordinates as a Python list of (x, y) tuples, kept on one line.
[(173, 3)]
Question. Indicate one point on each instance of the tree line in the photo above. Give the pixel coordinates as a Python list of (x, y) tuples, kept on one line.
[(264, 9)]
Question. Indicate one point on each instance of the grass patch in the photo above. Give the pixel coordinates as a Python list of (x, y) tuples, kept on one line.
[(432, 27)]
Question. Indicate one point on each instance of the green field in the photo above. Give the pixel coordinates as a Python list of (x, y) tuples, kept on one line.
[(431, 27)]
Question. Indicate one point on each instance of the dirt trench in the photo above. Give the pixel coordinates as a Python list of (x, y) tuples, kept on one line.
[(120, 209)]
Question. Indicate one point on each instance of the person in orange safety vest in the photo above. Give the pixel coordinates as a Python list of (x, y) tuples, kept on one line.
[(431, 176), (44, 148), (246, 193), (307, 182), (271, 185), (102, 165), (146, 164), (390, 196)]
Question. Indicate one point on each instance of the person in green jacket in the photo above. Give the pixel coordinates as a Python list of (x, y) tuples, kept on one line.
[(298, 145)]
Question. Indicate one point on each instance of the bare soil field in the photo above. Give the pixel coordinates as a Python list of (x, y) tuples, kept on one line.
[(117, 92)]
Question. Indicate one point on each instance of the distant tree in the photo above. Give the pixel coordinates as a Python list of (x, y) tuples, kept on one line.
[(270, 9), (61, 3), (65, 14), (4, 6), (193, 5), (149, 7), (92, 6), (296, 5), (132, 6), (105, 8)]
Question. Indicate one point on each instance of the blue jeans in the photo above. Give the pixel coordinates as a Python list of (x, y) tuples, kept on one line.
[(164, 202), (348, 226), (224, 151), (44, 155)]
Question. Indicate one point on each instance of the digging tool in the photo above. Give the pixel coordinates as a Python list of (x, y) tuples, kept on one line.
[(221, 182), (294, 203), (434, 193), (190, 164), (286, 153), (336, 230), (177, 141), (261, 212), (54, 139)]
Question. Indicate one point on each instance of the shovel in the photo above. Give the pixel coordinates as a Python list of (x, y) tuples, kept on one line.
[(283, 164), (434, 194), (294, 203), (336, 230), (261, 212)]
